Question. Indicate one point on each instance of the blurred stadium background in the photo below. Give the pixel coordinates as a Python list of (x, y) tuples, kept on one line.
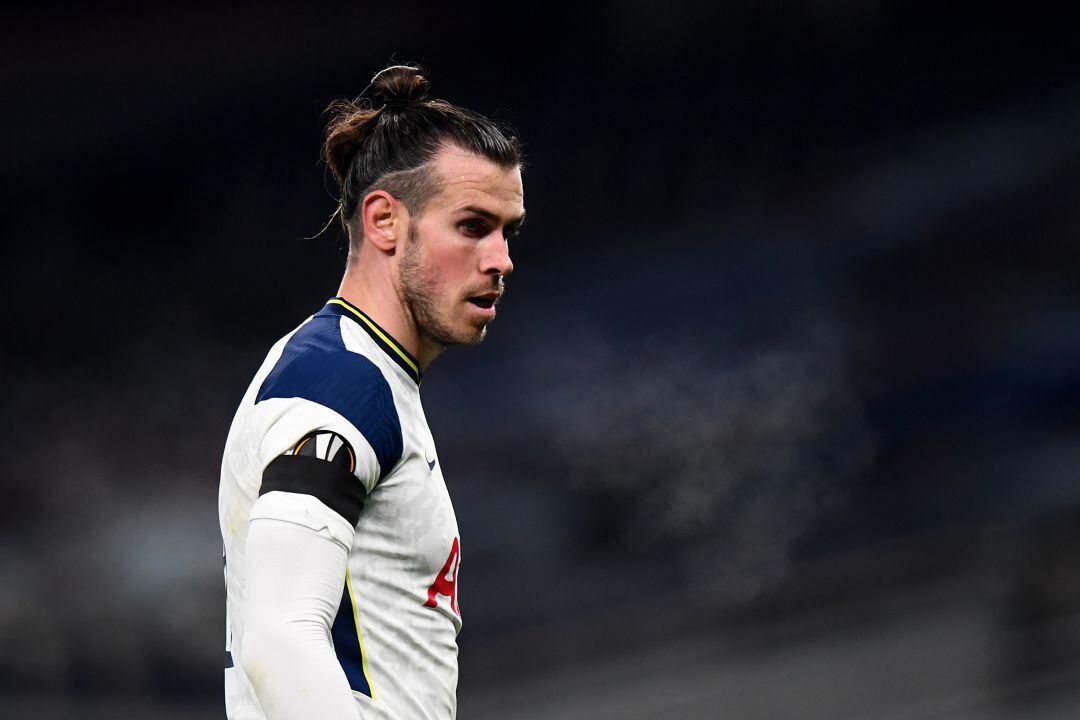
[(780, 420)]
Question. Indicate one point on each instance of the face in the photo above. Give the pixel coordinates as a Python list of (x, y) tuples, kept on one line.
[(457, 254)]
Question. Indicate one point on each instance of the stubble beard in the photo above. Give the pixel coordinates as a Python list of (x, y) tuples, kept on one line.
[(418, 295)]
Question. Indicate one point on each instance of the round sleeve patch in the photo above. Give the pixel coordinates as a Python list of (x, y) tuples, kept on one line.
[(329, 446)]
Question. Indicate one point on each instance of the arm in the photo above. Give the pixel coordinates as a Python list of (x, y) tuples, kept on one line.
[(296, 561)]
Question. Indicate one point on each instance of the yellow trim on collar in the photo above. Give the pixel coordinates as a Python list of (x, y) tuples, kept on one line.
[(375, 329)]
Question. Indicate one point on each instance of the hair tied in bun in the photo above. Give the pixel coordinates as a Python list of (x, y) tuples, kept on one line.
[(400, 86)]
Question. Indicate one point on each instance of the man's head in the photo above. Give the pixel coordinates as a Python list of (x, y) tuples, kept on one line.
[(391, 147), (430, 194)]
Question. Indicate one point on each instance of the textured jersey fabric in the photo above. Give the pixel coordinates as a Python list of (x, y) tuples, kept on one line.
[(340, 391)]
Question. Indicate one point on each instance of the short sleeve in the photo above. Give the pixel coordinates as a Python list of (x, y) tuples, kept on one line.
[(330, 411)]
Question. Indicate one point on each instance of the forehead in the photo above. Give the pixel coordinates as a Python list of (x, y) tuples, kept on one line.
[(466, 178)]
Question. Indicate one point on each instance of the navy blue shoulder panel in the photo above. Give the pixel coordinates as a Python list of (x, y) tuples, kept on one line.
[(316, 366)]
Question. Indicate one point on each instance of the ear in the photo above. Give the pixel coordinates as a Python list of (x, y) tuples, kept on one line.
[(383, 219)]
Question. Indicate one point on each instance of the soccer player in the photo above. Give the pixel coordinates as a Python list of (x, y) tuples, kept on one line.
[(341, 544)]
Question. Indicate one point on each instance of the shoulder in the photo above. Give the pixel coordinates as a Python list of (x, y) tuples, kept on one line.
[(316, 366), (315, 361)]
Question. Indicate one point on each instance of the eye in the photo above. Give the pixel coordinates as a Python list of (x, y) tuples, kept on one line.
[(473, 228), (513, 228)]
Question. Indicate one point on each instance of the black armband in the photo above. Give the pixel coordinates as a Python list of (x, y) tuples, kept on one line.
[(308, 470)]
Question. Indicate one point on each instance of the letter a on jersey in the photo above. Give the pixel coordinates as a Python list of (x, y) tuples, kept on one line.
[(446, 581)]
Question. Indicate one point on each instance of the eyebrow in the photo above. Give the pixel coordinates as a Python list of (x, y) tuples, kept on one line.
[(513, 226)]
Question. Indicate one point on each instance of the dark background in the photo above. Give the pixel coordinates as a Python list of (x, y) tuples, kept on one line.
[(780, 417)]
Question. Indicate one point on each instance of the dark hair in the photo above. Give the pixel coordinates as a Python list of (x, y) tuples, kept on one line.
[(389, 147)]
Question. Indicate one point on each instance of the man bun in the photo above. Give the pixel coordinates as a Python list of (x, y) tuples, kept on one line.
[(351, 121), (399, 86)]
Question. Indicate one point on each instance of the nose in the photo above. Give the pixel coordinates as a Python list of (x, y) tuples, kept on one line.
[(496, 258)]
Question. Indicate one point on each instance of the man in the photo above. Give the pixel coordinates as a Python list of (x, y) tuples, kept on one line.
[(341, 544)]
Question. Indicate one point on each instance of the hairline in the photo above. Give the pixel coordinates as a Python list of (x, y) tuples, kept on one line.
[(428, 180)]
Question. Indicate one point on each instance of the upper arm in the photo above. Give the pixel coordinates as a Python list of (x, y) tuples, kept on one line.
[(323, 464), (332, 429)]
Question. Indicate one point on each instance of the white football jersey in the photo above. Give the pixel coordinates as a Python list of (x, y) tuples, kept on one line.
[(340, 389)]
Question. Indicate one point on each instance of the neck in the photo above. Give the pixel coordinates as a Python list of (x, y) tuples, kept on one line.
[(379, 299)]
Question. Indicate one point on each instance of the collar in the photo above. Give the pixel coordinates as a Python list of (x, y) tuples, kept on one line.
[(383, 339)]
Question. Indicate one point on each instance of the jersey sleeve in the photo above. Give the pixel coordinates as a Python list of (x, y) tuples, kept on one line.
[(321, 464), (330, 427)]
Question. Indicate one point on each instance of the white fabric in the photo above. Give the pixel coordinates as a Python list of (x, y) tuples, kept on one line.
[(294, 577), (281, 419), (307, 511), (406, 537)]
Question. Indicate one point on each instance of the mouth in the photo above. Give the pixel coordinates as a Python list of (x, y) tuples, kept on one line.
[(486, 301)]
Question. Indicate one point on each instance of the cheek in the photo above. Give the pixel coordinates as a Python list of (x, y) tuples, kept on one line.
[(443, 282), (448, 264), (452, 268)]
